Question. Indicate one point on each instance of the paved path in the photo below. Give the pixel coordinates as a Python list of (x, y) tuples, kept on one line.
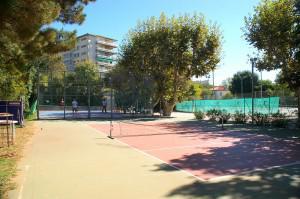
[(69, 159)]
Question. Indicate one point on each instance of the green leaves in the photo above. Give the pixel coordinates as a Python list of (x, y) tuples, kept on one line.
[(170, 51), (26, 39), (272, 30)]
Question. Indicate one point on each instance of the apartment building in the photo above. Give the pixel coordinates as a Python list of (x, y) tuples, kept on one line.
[(96, 48)]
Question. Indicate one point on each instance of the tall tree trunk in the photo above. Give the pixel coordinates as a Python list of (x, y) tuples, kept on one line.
[(168, 107)]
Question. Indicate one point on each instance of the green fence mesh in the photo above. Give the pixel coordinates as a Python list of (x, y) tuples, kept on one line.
[(261, 105)]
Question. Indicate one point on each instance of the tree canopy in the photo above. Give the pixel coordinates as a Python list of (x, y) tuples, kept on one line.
[(245, 78), (169, 51), (274, 31), (25, 37)]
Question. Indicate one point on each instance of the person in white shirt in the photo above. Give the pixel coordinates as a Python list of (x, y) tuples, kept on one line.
[(74, 106)]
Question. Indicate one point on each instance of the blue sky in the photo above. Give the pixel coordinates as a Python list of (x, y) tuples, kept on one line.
[(113, 18)]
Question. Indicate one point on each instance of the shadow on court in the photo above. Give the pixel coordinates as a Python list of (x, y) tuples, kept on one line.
[(204, 149), (277, 183)]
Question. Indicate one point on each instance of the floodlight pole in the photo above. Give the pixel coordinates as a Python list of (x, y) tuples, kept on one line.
[(253, 60), (242, 89)]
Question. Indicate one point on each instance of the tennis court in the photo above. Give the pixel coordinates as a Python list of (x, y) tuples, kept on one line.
[(204, 151)]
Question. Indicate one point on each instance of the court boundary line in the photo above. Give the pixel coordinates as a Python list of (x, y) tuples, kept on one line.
[(151, 156), (192, 175)]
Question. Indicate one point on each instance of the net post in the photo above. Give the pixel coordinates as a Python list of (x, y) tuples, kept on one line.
[(111, 113)]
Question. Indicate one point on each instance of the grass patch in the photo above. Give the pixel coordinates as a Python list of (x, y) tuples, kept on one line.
[(10, 155), (7, 170)]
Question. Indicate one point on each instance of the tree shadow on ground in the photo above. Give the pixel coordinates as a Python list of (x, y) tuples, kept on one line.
[(277, 183), (226, 153), (242, 152)]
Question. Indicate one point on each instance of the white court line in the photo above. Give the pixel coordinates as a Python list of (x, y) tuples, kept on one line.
[(20, 195), (171, 148), (151, 156), (190, 174)]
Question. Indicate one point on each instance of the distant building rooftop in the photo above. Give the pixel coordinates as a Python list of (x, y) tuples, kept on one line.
[(218, 88), (88, 34)]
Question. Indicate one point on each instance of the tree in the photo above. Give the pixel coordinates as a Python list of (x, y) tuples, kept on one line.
[(274, 31), (25, 37), (226, 83), (85, 81), (170, 51), (195, 91), (131, 89), (245, 78), (266, 86)]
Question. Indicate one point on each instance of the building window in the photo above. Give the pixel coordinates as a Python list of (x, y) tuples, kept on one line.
[(83, 46), (84, 53), (83, 39)]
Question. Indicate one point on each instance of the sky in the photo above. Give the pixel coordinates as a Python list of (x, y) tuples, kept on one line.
[(114, 18)]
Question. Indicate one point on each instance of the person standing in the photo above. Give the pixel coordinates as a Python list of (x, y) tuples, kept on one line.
[(104, 105), (74, 106)]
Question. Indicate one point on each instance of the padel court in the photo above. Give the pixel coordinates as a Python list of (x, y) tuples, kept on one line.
[(204, 152)]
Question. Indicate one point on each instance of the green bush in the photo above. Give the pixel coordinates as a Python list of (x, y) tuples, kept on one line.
[(199, 115), (213, 114), (279, 120), (239, 117)]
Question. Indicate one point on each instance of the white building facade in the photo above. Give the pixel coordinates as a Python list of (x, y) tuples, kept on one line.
[(95, 48)]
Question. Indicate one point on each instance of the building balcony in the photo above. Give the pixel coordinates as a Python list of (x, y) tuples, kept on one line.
[(110, 52), (106, 64), (104, 59), (111, 44)]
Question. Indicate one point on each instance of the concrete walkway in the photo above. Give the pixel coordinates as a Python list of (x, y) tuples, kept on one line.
[(68, 159)]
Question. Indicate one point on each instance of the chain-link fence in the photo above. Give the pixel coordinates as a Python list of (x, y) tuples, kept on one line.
[(262, 103), (59, 91)]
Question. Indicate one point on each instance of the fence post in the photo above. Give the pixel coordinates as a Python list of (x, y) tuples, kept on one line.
[(89, 100), (244, 109), (269, 105), (65, 100), (38, 95), (193, 106)]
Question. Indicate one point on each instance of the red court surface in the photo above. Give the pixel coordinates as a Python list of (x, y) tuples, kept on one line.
[(205, 152)]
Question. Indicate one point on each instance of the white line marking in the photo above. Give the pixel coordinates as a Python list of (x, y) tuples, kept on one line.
[(151, 156), (20, 195)]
